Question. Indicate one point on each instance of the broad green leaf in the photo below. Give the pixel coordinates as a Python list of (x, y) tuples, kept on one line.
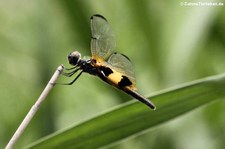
[(132, 118)]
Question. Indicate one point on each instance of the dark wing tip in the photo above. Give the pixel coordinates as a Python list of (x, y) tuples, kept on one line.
[(98, 15)]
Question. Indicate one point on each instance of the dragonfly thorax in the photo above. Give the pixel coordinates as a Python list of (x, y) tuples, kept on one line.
[(74, 58)]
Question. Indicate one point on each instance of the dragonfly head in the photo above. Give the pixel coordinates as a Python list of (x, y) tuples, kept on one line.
[(74, 58)]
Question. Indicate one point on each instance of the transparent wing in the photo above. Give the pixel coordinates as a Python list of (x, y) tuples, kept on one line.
[(122, 64), (103, 41)]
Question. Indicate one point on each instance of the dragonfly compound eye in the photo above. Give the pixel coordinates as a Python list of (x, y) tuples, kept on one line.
[(74, 57)]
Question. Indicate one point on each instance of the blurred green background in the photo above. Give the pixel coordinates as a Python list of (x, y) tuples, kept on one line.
[(169, 44)]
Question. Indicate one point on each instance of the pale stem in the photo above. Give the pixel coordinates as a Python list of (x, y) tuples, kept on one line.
[(34, 108)]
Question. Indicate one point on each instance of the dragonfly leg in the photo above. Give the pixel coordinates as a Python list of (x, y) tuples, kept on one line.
[(69, 74), (74, 79), (70, 68)]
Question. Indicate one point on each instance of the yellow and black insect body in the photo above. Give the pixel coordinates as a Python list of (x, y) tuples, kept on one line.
[(112, 67)]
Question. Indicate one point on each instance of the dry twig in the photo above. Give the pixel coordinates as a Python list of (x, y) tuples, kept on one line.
[(34, 108)]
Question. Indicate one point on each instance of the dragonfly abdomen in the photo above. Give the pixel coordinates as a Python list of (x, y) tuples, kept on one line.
[(139, 97)]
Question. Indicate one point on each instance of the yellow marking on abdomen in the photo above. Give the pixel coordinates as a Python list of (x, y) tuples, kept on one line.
[(115, 77)]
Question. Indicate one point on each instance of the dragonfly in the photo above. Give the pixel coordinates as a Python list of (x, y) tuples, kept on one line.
[(110, 66)]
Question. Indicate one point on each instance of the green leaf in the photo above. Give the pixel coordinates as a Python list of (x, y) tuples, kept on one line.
[(132, 118)]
